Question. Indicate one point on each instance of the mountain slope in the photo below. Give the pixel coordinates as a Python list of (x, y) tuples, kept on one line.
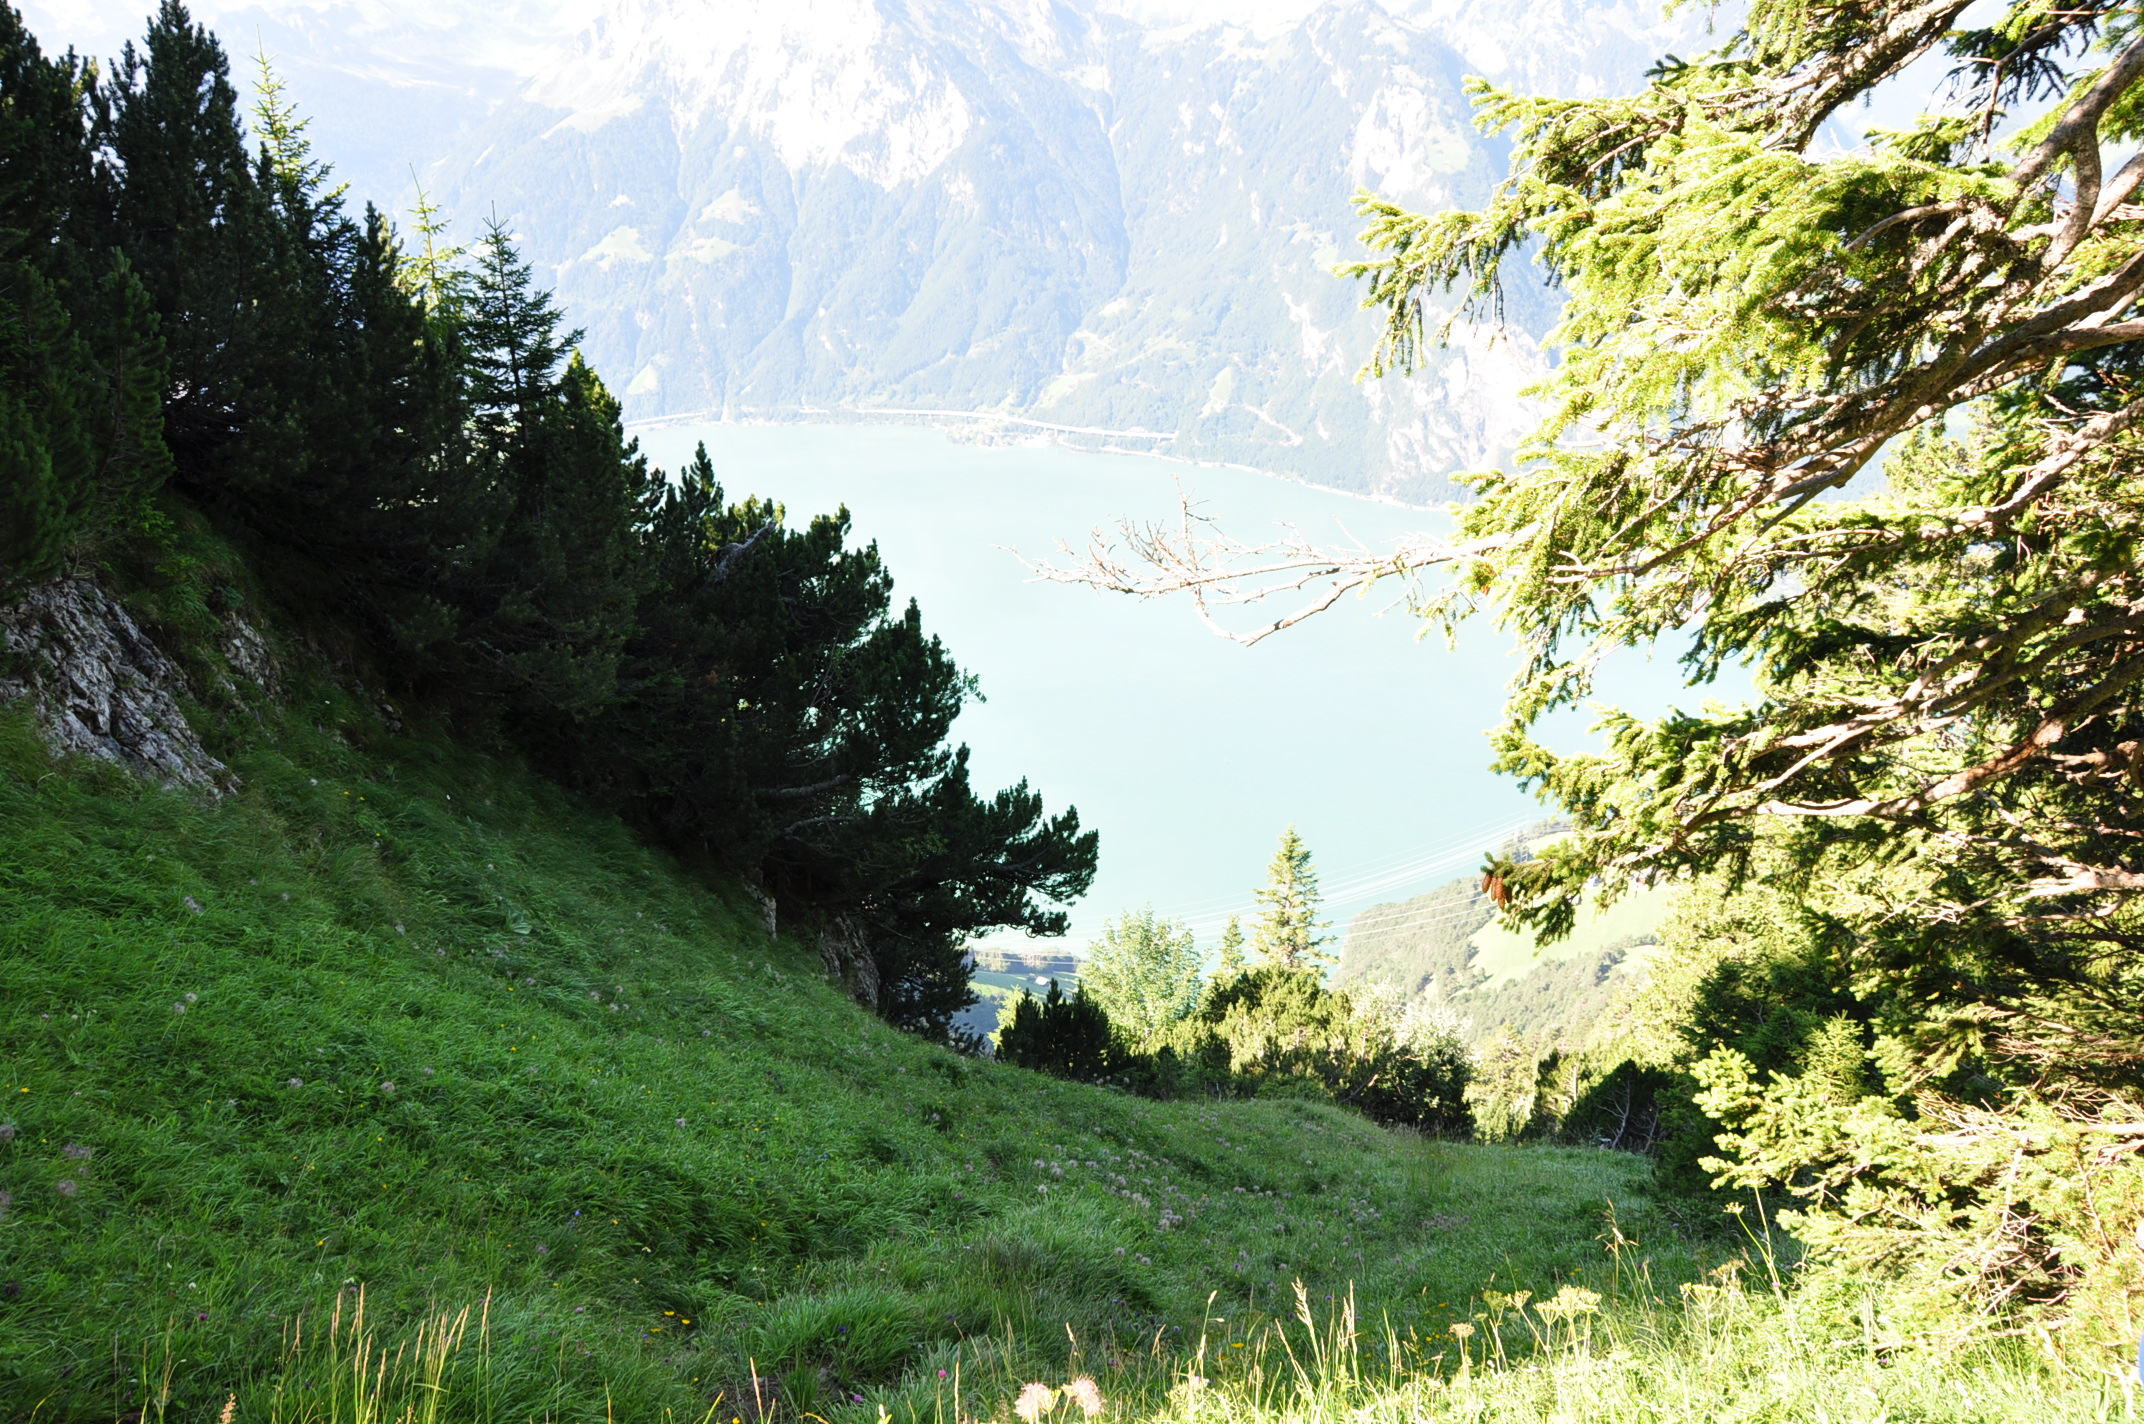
[(1019, 209), (395, 1016), (1028, 216)]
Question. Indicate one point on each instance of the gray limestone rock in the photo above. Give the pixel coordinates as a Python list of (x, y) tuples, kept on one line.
[(100, 688)]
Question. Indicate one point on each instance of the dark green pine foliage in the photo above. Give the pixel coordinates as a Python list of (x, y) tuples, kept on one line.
[(81, 445), (419, 454), (1069, 1038), (775, 714), (180, 200), (547, 598), (936, 862)]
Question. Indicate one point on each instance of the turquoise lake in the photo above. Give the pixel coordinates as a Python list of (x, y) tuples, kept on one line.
[(1189, 753)]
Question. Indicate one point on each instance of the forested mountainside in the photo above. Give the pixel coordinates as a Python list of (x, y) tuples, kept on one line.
[(229, 391), (1446, 947)]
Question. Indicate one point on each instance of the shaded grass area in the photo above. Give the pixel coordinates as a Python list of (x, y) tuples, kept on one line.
[(402, 1019)]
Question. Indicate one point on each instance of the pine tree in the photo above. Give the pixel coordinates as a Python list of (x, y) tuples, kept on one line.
[(1232, 961), (776, 712), (1065, 1037), (81, 424), (181, 202), (1287, 931), (1948, 660)]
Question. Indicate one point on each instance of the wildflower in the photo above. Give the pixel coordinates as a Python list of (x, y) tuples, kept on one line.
[(66, 1187), (387, 1088), (427, 1072), (192, 997), (681, 1122), (77, 1151), (230, 1410), (178, 1008), (192, 904), (1035, 1401), (7, 1132), (294, 1083), (1120, 1250), (1086, 1395), (1461, 1330), (1569, 1303)]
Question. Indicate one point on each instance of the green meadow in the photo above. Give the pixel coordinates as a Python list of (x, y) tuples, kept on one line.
[(402, 1022), (401, 1085)]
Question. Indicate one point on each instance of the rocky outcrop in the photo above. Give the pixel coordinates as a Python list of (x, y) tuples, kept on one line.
[(100, 688), (846, 953)]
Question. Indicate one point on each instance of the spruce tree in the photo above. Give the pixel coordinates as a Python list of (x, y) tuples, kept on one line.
[(1232, 961), (179, 199), (1865, 422), (1288, 925)]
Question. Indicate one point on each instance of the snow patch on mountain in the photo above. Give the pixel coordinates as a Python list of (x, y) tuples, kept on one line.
[(821, 81)]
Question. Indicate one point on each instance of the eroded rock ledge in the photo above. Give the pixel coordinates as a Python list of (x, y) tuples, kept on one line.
[(100, 688)]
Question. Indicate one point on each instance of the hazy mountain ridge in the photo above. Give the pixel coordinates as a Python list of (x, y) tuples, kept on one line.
[(1037, 209), (1028, 209)]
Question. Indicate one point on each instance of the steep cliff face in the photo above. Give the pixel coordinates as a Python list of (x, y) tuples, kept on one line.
[(1025, 209), (99, 688), (1062, 214)]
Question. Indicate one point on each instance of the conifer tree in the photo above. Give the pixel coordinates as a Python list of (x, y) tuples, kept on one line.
[(1866, 422), (181, 202), (777, 713), (81, 425), (1288, 927), (1232, 961), (1065, 1037), (420, 444), (434, 272)]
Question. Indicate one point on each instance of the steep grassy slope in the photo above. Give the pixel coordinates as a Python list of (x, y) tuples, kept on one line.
[(1506, 956), (401, 1018)]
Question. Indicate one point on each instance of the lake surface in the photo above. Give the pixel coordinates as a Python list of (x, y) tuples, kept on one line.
[(1189, 753)]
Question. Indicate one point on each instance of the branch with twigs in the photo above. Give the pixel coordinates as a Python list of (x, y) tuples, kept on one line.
[(1194, 556)]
